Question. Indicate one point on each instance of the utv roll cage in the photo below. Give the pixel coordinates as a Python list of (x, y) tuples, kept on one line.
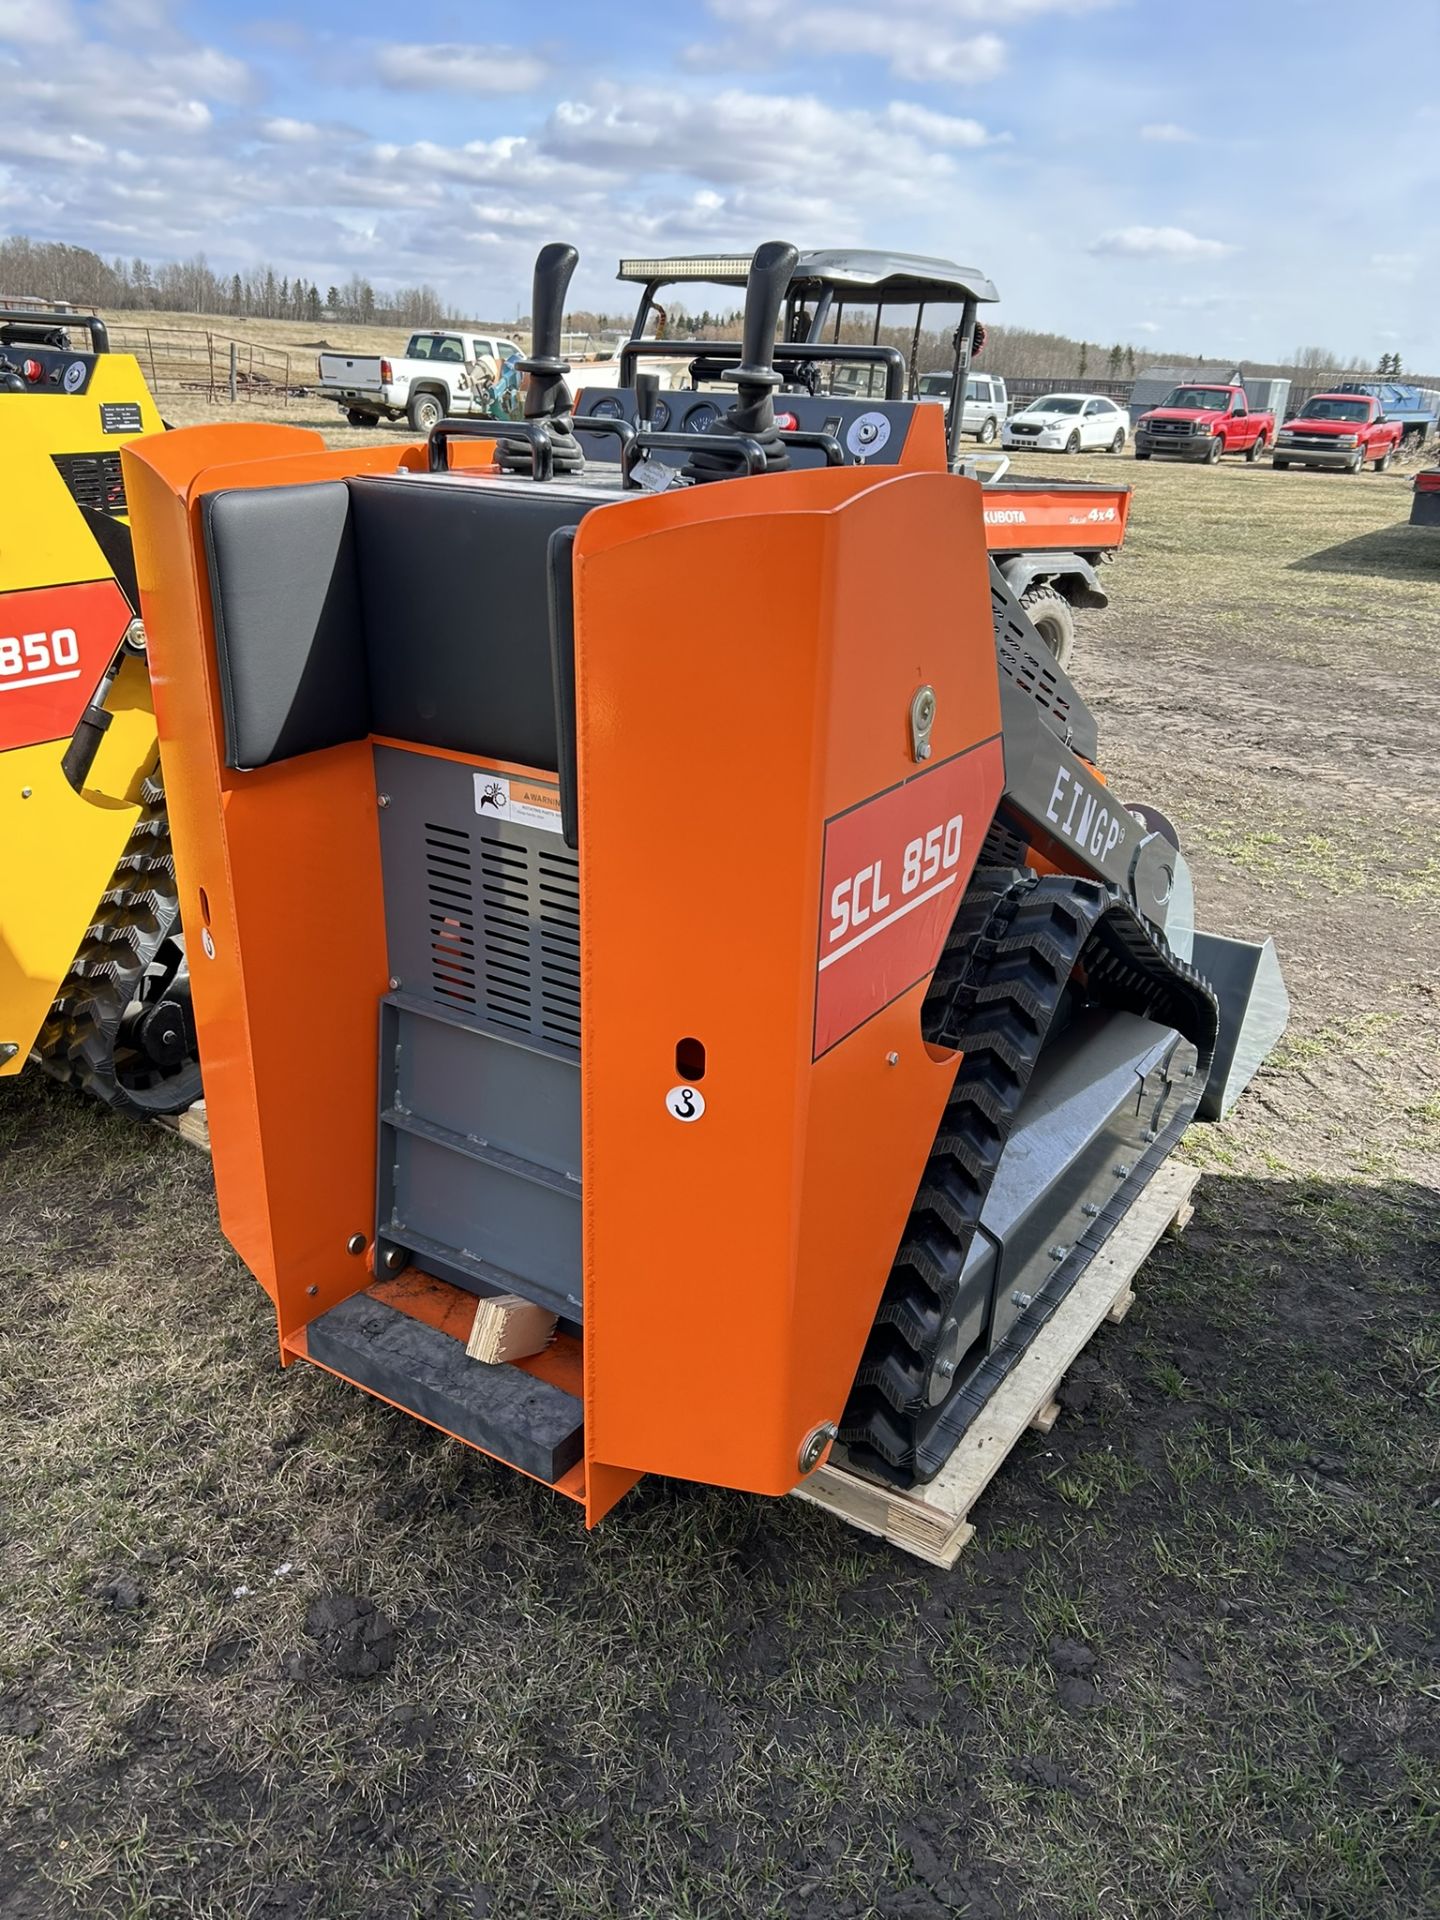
[(821, 287)]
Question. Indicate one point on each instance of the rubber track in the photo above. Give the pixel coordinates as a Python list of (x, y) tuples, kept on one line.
[(138, 912), (1019, 943)]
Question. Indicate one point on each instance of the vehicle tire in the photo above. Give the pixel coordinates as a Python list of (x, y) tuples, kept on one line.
[(1072, 445), (1053, 618), (1356, 462), (1280, 466), (1383, 463), (1142, 453), (988, 431), (1214, 450), (358, 418), (426, 410), (1117, 445), (1253, 453)]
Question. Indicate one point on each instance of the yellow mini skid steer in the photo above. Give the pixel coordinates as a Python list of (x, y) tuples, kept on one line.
[(92, 971)]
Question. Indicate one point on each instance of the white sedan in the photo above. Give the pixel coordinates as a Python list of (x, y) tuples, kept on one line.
[(1068, 422)]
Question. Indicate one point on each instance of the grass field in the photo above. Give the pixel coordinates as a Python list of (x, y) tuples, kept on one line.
[(270, 1649)]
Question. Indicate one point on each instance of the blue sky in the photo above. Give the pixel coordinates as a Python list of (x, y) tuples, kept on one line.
[(1241, 177)]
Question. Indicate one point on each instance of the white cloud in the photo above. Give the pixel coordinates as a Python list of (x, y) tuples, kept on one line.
[(942, 129), (1167, 131), (914, 39), (1174, 243), (290, 132), (36, 23), (460, 69)]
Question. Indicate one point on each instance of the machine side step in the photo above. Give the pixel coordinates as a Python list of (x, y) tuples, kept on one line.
[(932, 1521), (503, 1410)]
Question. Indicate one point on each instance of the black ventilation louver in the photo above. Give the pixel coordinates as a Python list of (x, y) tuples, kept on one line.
[(94, 479)]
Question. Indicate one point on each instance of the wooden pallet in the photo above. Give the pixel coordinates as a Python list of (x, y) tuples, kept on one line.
[(192, 1125), (932, 1521)]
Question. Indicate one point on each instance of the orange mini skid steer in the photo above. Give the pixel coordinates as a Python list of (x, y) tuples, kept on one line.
[(727, 944)]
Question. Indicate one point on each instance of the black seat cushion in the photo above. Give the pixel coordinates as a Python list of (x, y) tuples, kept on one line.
[(454, 583), (287, 620)]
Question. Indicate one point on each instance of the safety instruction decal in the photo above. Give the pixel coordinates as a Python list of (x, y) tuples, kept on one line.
[(527, 803), (895, 868)]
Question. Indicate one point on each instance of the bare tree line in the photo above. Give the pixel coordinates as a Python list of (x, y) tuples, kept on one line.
[(49, 270), (53, 271)]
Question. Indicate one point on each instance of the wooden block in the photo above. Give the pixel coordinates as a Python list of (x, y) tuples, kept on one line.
[(509, 1328), (1121, 1305), (193, 1125), (1045, 1419), (1182, 1219)]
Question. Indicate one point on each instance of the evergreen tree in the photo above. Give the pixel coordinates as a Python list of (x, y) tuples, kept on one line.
[(1084, 359), (332, 300), (1130, 362), (312, 302), (1117, 360), (237, 294)]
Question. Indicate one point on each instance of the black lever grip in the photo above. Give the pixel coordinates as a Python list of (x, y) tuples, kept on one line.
[(555, 266), (770, 273)]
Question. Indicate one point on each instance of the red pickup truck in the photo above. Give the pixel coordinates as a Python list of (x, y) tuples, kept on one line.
[(1338, 430), (1202, 422)]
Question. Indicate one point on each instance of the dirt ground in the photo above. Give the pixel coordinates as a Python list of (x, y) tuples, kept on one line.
[(269, 1649)]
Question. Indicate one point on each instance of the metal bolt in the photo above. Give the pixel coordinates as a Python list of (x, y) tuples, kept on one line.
[(1121, 1171), (1089, 1209), (812, 1447), (25, 792), (382, 799), (1021, 1300), (1152, 1133), (892, 1059), (135, 636), (394, 1259), (394, 983), (9, 1049), (312, 1291), (355, 1244), (945, 1368), (1058, 1253)]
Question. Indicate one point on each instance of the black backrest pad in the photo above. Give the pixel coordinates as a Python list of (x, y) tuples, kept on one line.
[(454, 587), (418, 608), (287, 625)]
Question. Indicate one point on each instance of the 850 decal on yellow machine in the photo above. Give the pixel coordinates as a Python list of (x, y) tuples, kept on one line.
[(92, 974)]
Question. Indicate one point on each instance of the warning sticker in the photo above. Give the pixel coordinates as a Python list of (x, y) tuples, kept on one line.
[(528, 803)]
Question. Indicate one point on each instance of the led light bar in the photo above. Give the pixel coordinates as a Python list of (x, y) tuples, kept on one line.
[(719, 266)]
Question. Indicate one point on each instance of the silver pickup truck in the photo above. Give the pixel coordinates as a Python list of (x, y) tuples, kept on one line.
[(440, 373)]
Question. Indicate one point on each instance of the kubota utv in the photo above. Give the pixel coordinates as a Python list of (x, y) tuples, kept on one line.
[(92, 973), (718, 932)]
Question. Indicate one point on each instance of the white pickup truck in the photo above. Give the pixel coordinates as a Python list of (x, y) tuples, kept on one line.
[(439, 373)]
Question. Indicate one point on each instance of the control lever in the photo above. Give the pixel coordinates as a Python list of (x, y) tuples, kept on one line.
[(753, 413), (647, 398), (548, 402)]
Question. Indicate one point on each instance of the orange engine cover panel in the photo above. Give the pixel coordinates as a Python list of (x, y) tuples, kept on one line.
[(768, 872)]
